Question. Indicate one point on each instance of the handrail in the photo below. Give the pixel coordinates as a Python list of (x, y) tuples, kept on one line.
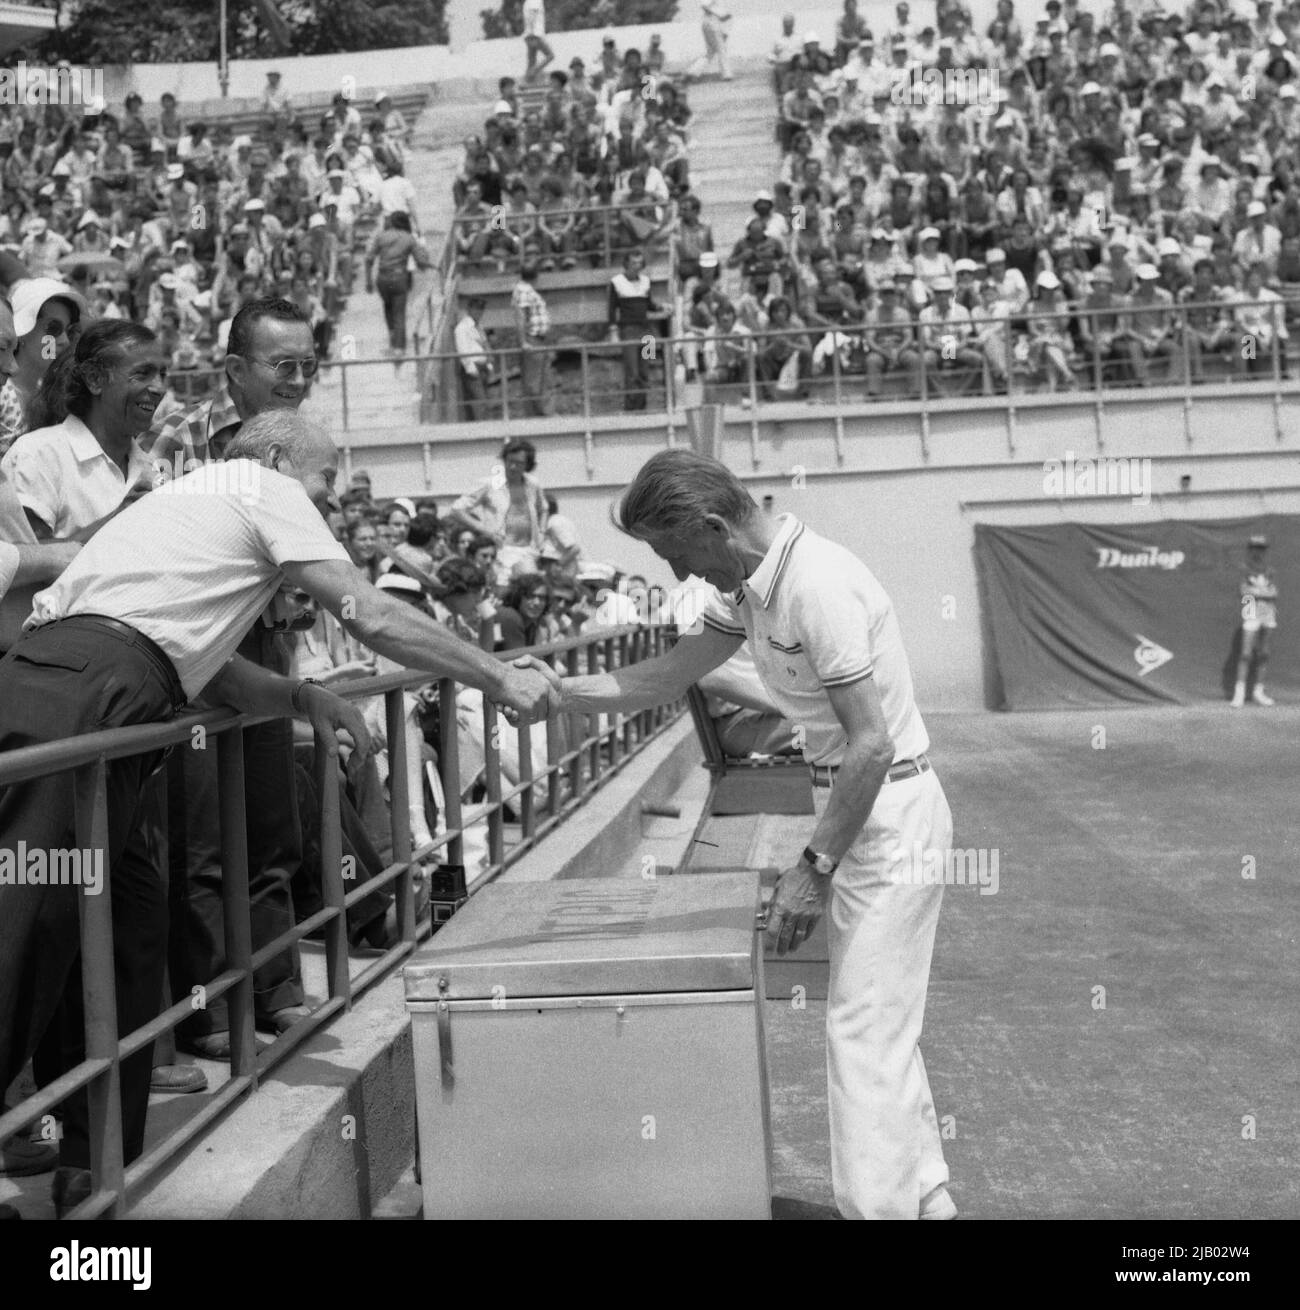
[(1093, 368), (576, 744)]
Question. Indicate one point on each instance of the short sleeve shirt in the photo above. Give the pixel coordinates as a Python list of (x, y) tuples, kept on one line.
[(226, 530), (64, 476), (816, 619)]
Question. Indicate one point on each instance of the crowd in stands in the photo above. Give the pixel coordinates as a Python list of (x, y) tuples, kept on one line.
[(167, 220), (589, 170), (1070, 197)]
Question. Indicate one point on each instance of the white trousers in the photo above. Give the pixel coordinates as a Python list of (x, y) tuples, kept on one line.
[(885, 1148)]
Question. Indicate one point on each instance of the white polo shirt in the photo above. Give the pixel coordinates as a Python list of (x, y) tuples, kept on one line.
[(15, 531), (816, 618), (192, 564), (65, 478)]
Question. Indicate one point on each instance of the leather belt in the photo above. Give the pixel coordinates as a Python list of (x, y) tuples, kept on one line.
[(823, 775)]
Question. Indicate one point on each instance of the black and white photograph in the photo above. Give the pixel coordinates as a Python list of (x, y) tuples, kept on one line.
[(657, 610)]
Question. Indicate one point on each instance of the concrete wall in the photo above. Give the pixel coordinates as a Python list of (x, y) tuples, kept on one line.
[(908, 506)]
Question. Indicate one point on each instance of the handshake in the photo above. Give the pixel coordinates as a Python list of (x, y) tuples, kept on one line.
[(530, 690)]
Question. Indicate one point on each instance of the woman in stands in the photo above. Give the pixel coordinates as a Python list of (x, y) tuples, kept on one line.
[(784, 361), (523, 619), (509, 507), (363, 545), (45, 314), (1050, 343)]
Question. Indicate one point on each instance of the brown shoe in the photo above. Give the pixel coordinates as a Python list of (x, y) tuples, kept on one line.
[(20, 1157), (178, 1078)]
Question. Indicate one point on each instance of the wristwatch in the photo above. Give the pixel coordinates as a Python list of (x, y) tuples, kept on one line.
[(296, 698), (822, 864)]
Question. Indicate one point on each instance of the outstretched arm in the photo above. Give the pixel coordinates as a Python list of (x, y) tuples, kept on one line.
[(654, 682)]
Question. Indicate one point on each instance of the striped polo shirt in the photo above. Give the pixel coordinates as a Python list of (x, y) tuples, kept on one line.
[(192, 564), (815, 619)]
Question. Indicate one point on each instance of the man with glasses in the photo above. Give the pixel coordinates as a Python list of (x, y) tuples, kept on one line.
[(270, 363)]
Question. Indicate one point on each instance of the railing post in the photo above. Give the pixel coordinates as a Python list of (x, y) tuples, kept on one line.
[(343, 385), (99, 991), (554, 749), (503, 372), (526, 800), (577, 729), (449, 763), (236, 906), (492, 772), (331, 864), (598, 731), (399, 809)]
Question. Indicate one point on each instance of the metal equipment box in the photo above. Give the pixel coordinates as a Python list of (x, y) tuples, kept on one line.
[(593, 1049)]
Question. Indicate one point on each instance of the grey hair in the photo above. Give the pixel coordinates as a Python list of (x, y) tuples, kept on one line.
[(676, 490), (274, 427)]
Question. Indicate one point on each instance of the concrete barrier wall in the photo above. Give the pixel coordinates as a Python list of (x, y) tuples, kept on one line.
[(911, 518)]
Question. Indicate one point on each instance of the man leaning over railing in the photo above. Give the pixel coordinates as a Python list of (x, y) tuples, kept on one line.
[(128, 635)]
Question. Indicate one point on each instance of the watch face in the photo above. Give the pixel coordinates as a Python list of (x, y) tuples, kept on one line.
[(825, 864)]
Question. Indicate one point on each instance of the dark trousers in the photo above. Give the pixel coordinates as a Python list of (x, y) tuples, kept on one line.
[(473, 391), (198, 943), (636, 376), (367, 840), (393, 294), (64, 680)]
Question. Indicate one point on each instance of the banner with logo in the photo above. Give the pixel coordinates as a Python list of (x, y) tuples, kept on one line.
[(1080, 614)]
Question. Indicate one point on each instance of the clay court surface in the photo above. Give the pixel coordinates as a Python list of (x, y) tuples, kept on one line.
[(1118, 868)]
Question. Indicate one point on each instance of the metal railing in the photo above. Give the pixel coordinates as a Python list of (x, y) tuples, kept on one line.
[(595, 235), (835, 367), (582, 753)]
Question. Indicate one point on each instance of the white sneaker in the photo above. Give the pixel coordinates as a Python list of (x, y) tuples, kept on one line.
[(1238, 696), (1261, 697), (938, 1205)]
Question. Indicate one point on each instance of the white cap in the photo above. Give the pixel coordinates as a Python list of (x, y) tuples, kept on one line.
[(382, 95), (89, 218), (1276, 38), (168, 282), (995, 255), (1048, 280), (1090, 89), (965, 266), (1147, 272), (393, 581), (1109, 50), (316, 220), (254, 206), (929, 234), (30, 295), (175, 172), (1256, 208), (942, 283), (811, 38), (1214, 80), (503, 107), (1287, 91), (1168, 246)]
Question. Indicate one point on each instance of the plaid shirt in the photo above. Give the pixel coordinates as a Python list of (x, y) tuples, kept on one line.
[(200, 434), (527, 300)]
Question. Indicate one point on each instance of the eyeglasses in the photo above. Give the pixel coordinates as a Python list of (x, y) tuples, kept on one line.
[(285, 369)]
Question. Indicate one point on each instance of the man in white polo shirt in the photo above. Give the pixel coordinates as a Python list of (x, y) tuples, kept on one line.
[(71, 476), (23, 560), (147, 617), (827, 647)]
